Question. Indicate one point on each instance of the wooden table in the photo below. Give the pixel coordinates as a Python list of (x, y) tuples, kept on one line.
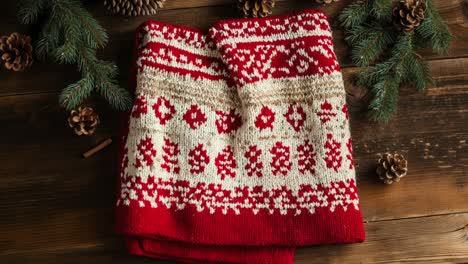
[(56, 207)]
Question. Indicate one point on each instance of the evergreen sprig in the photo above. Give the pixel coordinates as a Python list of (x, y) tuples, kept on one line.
[(389, 56), (71, 35)]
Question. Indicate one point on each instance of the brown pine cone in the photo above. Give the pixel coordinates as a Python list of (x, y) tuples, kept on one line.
[(392, 167), (256, 8), (325, 1), (134, 7), (16, 51), (408, 14), (83, 120)]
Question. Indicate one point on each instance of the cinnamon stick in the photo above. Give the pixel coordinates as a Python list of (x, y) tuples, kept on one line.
[(97, 148)]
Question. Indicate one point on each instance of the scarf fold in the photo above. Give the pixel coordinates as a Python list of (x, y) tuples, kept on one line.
[(238, 147)]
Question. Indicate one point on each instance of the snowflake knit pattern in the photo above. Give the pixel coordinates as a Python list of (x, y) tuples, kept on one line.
[(238, 146)]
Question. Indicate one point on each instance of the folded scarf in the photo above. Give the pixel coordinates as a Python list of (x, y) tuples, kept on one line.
[(238, 147)]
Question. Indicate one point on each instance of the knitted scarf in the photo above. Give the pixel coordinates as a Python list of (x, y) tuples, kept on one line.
[(238, 148)]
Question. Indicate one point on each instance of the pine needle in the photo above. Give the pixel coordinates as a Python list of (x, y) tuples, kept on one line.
[(71, 35), (390, 57), (434, 30), (75, 93), (382, 10), (354, 14), (29, 10), (384, 103), (369, 49)]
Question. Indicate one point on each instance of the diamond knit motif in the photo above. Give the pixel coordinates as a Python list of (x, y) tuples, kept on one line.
[(228, 122), (163, 110), (295, 117), (194, 117)]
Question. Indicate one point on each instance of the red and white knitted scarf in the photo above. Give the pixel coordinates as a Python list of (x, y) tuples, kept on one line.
[(238, 146)]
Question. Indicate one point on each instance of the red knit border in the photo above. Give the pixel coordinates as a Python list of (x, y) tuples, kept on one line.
[(266, 26), (178, 195), (193, 37), (193, 253), (180, 50), (323, 227), (292, 46)]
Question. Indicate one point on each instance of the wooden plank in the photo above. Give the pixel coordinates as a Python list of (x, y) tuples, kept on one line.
[(435, 239), (45, 186), (430, 129), (56, 207), (50, 77), (80, 256), (443, 5), (50, 195), (43, 77)]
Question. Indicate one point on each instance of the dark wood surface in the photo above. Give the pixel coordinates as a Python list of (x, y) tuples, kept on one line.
[(56, 207)]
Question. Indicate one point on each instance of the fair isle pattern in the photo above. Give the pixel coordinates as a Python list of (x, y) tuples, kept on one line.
[(281, 47), (268, 133)]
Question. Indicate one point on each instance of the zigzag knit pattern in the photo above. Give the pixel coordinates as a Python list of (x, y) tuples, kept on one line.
[(240, 138)]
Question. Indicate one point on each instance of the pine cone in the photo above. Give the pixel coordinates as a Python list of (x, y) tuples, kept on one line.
[(256, 8), (392, 167), (134, 7), (83, 120), (408, 14), (16, 51), (325, 1)]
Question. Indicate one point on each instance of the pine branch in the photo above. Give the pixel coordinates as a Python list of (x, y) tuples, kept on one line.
[(49, 39), (96, 36), (354, 14), (86, 60), (384, 103), (358, 34), (434, 30), (375, 40), (74, 94), (417, 72), (390, 65), (29, 10), (66, 54), (372, 75), (71, 35), (118, 97), (385, 79), (401, 51), (369, 49), (382, 10)]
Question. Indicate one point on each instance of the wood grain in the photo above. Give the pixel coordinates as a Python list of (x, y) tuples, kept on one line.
[(56, 207), (78, 210), (121, 34), (436, 239)]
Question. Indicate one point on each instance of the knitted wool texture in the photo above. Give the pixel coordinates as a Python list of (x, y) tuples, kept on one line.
[(238, 147)]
